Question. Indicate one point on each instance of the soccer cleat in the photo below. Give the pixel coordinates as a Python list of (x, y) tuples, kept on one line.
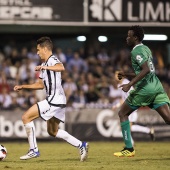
[(152, 134), (84, 151), (31, 154), (125, 153)]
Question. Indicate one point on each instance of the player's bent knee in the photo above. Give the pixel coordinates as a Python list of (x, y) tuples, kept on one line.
[(167, 122), (24, 118), (52, 133), (121, 115)]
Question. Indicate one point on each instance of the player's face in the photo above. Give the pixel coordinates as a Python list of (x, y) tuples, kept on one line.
[(40, 51), (130, 38)]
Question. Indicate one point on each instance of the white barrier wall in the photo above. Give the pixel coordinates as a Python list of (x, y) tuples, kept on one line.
[(89, 124)]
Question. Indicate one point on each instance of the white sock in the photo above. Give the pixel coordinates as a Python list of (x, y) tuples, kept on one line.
[(138, 128), (132, 141), (67, 137), (30, 130)]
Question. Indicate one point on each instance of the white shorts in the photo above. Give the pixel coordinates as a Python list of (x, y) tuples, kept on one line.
[(133, 116), (48, 111)]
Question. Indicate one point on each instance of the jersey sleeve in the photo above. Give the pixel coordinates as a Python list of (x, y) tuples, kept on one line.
[(140, 58), (53, 61)]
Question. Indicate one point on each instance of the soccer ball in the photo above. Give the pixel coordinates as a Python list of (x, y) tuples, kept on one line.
[(3, 152)]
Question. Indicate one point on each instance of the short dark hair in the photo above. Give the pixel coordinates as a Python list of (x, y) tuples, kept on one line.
[(138, 31), (45, 42)]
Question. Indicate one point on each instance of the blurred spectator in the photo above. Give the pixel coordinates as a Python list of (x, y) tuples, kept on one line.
[(98, 72), (24, 53), (82, 83), (77, 62), (27, 70), (91, 60), (103, 57), (8, 48), (75, 73), (122, 58), (14, 69), (60, 55), (161, 73), (5, 68), (14, 104), (82, 53), (114, 92), (91, 80), (65, 75), (79, 99), (3, 82), (103, 101), (70, 88), (22, 100), (103, 87), (32, 98), (88, 75), (109, 71), (14, 57), (2, 57), (160, 59), (69, 54), (92, 95), (33, 56), (5, 99), (113, 56), (91, 52)]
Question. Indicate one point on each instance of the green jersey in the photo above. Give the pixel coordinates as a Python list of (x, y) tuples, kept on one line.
[(148, 91), (150, 83)]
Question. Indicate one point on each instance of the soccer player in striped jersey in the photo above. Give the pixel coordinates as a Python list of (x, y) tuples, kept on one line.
[(51, 109), (148, 90)]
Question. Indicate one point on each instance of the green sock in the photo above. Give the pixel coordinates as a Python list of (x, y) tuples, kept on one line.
[(126, 134)]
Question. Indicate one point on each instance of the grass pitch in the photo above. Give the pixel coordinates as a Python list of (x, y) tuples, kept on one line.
[(62, 156)]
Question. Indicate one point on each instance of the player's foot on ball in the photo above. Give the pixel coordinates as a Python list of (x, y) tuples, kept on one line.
[(126, 152), (152, 134), (84, 151), (31, 154)]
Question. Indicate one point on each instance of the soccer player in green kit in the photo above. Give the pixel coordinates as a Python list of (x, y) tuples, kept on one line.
[(148, 90)]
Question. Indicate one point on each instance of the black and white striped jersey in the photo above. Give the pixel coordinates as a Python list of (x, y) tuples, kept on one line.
[(52, 82)]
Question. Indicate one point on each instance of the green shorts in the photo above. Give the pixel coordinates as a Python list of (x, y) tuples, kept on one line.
[(136, 100)]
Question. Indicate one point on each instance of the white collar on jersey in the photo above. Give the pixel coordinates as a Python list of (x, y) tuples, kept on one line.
[(137, 45)]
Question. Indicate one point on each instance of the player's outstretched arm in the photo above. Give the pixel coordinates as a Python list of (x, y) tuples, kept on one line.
[(122, 75), (58, 67), (36, 86), (144, 71), (17, 88)]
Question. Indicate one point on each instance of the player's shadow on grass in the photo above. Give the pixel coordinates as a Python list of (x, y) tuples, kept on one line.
[(151, 159), (73, 159), (70, 159)]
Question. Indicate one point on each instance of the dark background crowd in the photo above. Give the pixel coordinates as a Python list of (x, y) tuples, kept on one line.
[(88, 78)]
